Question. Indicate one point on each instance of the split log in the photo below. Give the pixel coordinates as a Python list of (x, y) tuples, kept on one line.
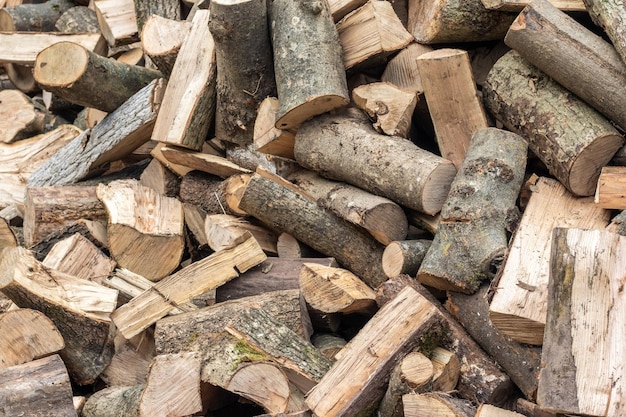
[(517, 6), (390, 107), (194, 220), (335, 290), (611, 189), (447, 21), (518, 308), (33, 17), (160, 179), (328, 344), (576, 143), (371, 33), (88, 118), (79, 19), (453, 102), (27, 335), (22, 47), (243, 80), (177, 169), (312, 42), (131, 361), (49, 209), (493, 171), (161, 40), (189, 99), (117, 21), (20, 118), (21, 77), (223, 231), (579, 60), (381, 217), (389, 166), (446, 369), (7, 235), (436, 405), (584, 320), (408, 322), (79, 309), (114, 401), (288, 246), (249, 158), (93, 230), (38, 388), (144, 310), (487, 410), (340, 8), (205, 162), (609, 17), (404, 257), (401, 70), (139, 218), (116, 136), (531, 409), (169, 9), (266, 137), (290, 211), (211, 193)]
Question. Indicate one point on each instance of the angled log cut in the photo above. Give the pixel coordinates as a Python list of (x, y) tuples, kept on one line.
[(267, 138), (518, 308), (574, 145), (446, 369), (583, 348), (161, 40), (517, 6), (140, 220), (20, 118), (33, 17), (345, 147), (493, 171), (401, 70), (572, 55), (611, 190), (200, 161), (304, 36), (610, 17), (223, 231), (117, 20), (404, 257), (160, 179)]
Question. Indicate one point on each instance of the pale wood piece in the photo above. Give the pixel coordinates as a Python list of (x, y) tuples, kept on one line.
[(180, 170), (611, 189), (117, 135), (94, 230), (404, 257), (114, 401), (575, 145), (446, 369), (200, 161), (223, 231), (381, 217), (493, 171), (33, 17), (583, 348), (449, 21), (390, 107), (266, 137), (594, 70), (180, 396), (189, 99), (197, 278), (79, 257), (7, 236), (160, 179), (26, 335), (392, 174), (371, 33), (340, 8), (610, 17), (436, 405), (21, 77), (88, 118), (194, 220), (328, 344), (233, 191), (517, 6), (453, 102), (49, 209), (140, 218), (303, 95), (79, 309), (78, 19), (161, 40), (288, 246), (131, 361), (335, 290), (518, 307), (117, 21), (401, 70), (38, 388), (369, 357), (487, 410), (20, 118), (423, 221)]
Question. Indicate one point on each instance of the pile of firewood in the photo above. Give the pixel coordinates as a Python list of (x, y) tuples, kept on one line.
[(312, 208)]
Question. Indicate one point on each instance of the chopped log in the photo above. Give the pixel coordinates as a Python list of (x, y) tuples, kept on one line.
[(169, 9), (446, 369), (93, 230), (179, 170), (520, 362), (211, 193), (517, 6), (114, 401), (518, 307), (292, 212), (576, 143), (453, 102), (371, 33), (38, 388), (49, 209), (116, 136), (189, 100), (584, 318), (88, 118), (117, 21), (389, 106), (335, 290), (328, 344), (404, 257), (161, 40), (154, 303), (401, 70), (611, 189), (223, 231), (609, 17), (263, 383), (414, 373), (487, 410), (79, 19), (249, 158), (7, 236), (33, 17), (408, 322), (383, 165), (447, 21), (205, 162), (27, 335), (311, 42), (194, 220), (20, 118), (79, 309), (594, 70), (160, 179), (288, 246), (140, 218), (131, 361), (266, 137), (340, 8), (489, 173), (436, 405), (180, 396), (381, 217)]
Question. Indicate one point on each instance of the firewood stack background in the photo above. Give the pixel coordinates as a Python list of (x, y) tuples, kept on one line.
[(312, 208)]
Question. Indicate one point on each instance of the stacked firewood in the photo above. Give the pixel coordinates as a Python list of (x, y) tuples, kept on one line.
[(327, 208)]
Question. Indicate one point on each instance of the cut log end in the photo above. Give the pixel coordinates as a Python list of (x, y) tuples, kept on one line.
[(294, 117), (437, 187), (585, 170), (61, 64)]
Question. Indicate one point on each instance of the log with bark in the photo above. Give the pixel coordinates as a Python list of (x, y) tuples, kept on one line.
[(161, 40), (33, 17), (404, 257)]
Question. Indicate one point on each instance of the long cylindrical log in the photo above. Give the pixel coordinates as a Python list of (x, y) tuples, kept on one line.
[(404, 256), (289, 211), (345, 147), (571, 138), (610, 16), (33, 17), (92, 80), (572, 55)]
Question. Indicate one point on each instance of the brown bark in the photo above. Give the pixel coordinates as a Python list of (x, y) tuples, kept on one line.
[(78, 19), (33, 17)]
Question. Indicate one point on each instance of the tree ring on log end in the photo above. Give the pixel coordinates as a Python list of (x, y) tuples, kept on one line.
[(437, 187), (61, 69)]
